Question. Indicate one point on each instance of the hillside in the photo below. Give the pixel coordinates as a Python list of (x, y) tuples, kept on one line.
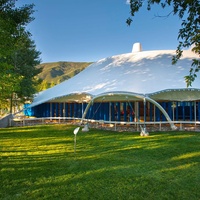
[(57, 72)]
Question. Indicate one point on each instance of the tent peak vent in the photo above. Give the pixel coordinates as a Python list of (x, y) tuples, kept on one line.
[(137, 47)]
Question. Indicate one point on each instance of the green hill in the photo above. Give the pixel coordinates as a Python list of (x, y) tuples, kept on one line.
[(57, 72)]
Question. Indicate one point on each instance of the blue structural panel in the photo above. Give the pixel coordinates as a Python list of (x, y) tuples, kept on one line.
[(28, 111), (169, 109), (124, 112), (191, 111), (176, 111), (157, 114), (74, 112), (183, 110), (151, 112), (66, 110), (117, 111), (106, 111), (71, 110), (61, 109), (163, 118), (112, 111)]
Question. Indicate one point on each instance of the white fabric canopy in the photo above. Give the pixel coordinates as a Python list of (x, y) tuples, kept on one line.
[(147, 73)]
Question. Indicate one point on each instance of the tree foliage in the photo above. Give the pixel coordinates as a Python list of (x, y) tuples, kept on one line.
[(18, 54), (189, 33)]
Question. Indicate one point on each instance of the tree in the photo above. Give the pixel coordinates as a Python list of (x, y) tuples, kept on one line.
[(189, 33), (43, 85), (18, 54)]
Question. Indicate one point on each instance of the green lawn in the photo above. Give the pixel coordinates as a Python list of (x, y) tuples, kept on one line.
[(39, 163)]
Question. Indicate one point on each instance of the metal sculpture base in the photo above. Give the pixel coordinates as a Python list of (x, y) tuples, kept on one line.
[(85, 128), (144, 131)]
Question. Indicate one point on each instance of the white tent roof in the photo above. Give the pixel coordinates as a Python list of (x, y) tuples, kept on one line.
[(139, 73)]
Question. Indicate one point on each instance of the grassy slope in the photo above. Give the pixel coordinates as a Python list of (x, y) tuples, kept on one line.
[(59, 71), (39, 163)]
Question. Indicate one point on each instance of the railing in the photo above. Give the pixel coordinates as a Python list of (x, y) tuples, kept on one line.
[(111, 125)]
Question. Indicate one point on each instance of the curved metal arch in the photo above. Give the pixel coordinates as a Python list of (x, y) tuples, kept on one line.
[(173, 127)]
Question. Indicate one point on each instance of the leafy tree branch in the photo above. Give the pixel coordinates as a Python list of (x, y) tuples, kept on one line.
[(189, 34)]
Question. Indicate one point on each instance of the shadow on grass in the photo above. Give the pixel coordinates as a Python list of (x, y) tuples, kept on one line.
[(40, 163)]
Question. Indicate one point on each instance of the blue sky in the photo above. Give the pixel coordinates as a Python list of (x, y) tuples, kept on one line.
[(88, 30)]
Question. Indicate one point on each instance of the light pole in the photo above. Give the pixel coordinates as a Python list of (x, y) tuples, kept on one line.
[(75, 133)]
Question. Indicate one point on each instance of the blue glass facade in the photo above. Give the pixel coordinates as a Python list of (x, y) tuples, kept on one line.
[(119, 111)]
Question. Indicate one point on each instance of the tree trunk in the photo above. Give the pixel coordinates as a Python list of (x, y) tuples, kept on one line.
[(11, 103)]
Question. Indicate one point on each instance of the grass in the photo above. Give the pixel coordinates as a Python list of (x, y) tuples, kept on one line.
[(39, 163)]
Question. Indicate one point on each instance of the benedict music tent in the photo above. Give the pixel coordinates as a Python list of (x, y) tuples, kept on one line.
[(127, 87)]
